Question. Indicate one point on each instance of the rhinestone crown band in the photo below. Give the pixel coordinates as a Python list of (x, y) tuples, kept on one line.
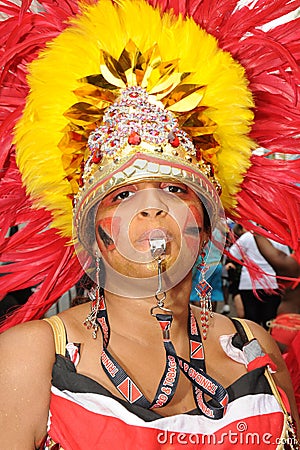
[(134, 118)]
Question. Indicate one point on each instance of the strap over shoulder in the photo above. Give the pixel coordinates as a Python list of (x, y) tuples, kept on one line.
[(241, 325), (59, 333), (243, 329)]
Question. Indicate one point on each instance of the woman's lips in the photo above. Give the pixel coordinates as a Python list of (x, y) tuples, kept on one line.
[(146, 240), (157, 233)]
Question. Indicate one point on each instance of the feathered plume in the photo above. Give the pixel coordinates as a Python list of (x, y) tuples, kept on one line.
[(265, 192)]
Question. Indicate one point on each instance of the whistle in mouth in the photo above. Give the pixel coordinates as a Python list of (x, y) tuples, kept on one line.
[(158, 243)]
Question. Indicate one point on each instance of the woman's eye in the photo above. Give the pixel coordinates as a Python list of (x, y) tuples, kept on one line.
[(174, 189), (122, 195)]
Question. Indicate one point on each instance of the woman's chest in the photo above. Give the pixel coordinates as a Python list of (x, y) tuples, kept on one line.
[(146, 367)]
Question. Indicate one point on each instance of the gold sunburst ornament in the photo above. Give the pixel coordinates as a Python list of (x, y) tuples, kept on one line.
[(137, 97)]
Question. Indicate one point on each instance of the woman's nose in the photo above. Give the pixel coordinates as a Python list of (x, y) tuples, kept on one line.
[(152, 213), (153, 205)]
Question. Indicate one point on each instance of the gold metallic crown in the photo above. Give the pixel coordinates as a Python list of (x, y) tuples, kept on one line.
[(138, 122)]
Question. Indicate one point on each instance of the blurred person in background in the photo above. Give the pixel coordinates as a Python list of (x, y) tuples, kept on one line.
[(260, 297), (285, 328)]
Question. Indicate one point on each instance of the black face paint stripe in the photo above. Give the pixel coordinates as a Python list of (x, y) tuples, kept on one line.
[(193, 231), (106, 239)]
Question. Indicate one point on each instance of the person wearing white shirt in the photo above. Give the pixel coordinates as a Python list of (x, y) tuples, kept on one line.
[(260, 296)]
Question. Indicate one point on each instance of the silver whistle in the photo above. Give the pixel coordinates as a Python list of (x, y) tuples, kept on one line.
[(158, 243)]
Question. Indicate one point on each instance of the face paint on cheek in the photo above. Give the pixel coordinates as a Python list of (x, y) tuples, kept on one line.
[(192, 227), (105, 238), (109, 230), (197, 216), (104, 233)]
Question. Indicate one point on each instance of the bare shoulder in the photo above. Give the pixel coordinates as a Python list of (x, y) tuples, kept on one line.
[(266, 341), (29, 331), (218, 325), (73, 319), (27, 355), (76, 313), (224, 325), (31, 341)]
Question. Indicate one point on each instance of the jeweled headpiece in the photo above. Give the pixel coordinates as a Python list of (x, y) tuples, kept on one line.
[(137, 119), (123, 92)]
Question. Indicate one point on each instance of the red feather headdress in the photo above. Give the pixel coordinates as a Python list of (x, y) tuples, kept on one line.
[(39, 254)]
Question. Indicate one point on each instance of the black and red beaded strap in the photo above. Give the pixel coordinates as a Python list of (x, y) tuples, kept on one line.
[(193, 370)]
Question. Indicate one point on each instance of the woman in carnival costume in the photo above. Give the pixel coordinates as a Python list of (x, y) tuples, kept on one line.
[(127, 130)]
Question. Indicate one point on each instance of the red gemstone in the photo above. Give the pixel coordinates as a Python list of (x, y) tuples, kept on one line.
[(134, 138), (96, 159), (173, 140)]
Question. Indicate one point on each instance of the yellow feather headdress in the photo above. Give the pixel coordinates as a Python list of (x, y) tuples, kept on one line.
[(106, 50)]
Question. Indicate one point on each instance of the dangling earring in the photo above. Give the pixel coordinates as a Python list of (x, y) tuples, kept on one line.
[(95, 296), (204, 289)]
